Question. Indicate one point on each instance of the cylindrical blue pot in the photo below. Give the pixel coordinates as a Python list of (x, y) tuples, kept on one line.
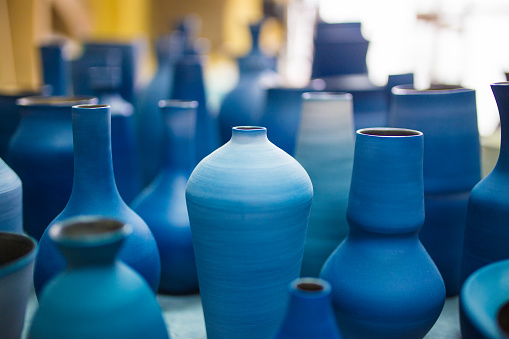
[(452, 166), (56, 69), (487, 233), (94, 193), (163, 203), (384, 283), (96, 296), (17, 253), (309, 313), (248, 204), (41, 153), (11, 202), (325, 145)]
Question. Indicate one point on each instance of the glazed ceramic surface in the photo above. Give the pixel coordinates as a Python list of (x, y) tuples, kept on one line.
[(11, 202), (163, 203), (487, 232), (96, 296), (325, 145), (384, 283), (56, 69), (41, 154), (248, 203), (94, 193), (452, 166), (309, 313), (17, 253)]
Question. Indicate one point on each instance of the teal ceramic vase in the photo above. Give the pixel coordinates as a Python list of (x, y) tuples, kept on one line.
[(248, 205), (94, 192), (163, 203), (97, 296), (324, 147)]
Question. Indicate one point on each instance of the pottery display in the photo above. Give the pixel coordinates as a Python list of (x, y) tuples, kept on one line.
[(452, 166), (248, 205), (325, 145), (97, 296), (41, 154), (17, 253), (309, 313), (486, 232), (163, 203), (56, 68), (384, 283), (11, 202), (94, 193)]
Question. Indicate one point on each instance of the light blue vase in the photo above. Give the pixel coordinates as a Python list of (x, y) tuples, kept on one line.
[(248, 205), (384, 283), (11, 202), (96, 296)]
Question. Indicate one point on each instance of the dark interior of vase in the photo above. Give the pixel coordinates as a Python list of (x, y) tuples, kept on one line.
[(246, 128), (503, 318), (438, 87), (13, 247), (91, 228), (309, 287), (92, 106), (390, 132)]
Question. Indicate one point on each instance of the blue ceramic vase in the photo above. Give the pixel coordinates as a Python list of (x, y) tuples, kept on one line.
[(96, 296), (325, 144), (384, 283), (17, 253), (163, 203), (94, 193), (487, 232), (56, 68), (41, 154), (105, 83), (309, 313), (248, 205), (11, 202), (452, 166), (482, 296)]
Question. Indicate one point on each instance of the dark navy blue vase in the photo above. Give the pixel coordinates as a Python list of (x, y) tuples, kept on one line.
[(41, 153), (248, 205), (487, 232), (94, 193), (97, 296), (384, 283), (56, 68), (452, 166), (309, 313), (163, 203)]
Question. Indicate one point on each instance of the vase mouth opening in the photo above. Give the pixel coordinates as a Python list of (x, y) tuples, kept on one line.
[(90, 106), (327, 96), (503, 317), (310, 287), (249, 128), (56, 101), (16, 251), (178, 103), (435, 89), (501, 83), (389, 132)]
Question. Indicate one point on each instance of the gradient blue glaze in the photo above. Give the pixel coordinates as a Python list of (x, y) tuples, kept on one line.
[(487, 233), (248, 204), (309, 313), (94, 193), (384, 283), (325, 145), (163, 203), (96, 296), (11, 202), (41, 153)]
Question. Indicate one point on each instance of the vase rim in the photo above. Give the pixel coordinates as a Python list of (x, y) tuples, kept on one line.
[(446, 89), (178, 103), (90, 106), (327, 96), (20, 258), (310, 287), (389, 132), (60, 101), (500, 83)]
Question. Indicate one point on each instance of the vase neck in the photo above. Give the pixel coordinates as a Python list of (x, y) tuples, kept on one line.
[(249, 134), (501, 93)]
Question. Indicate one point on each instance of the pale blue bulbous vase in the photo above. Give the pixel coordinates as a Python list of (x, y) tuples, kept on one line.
[(97, 296), (248, 205), (11, 202), (94, 192)]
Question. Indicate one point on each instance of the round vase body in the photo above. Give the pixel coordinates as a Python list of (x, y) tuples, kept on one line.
[(248, 203), (94, 193), (325, 145), (11, 202), (309, 313), (486, 232), (384, 283), (41, 154), (163, 203), (96, 296), (17, 253), (452, 166)]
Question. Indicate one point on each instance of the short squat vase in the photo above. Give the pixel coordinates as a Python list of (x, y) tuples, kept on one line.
[(325, 144), (309, 313), (384, 283), (163, 203), (17, 254), (11, 209), (41, 153), (248, 205), (452, 166), (96, 296), (487, 232), (94, 193)]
